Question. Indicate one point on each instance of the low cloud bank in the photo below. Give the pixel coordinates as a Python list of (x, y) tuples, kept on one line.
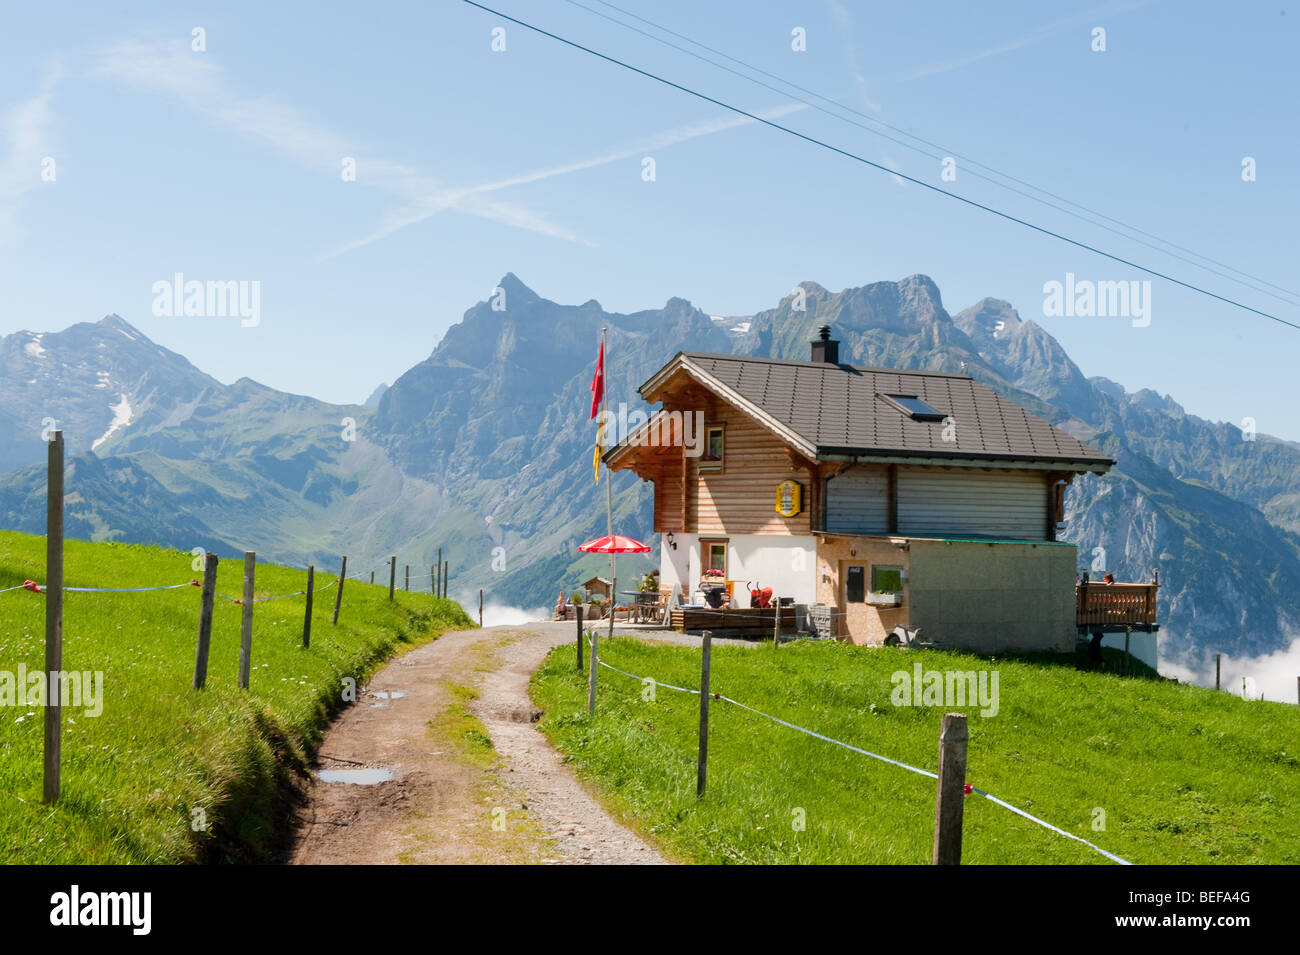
[(496, 615), (1271, 675)]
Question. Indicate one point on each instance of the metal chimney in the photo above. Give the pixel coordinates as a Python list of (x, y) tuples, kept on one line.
[(824, 348)]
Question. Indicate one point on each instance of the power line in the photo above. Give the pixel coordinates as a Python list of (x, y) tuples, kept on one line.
[(943, 149), (905, 145), (885, 169)]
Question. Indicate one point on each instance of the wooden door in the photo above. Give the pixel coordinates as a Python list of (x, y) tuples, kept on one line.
[(854, 586)]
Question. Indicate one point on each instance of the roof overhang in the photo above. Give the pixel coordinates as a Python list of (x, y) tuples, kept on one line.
[(637, 440), (1076, 465), (681, 362), (902, 541)]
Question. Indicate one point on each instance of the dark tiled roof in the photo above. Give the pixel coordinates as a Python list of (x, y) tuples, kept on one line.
[(838, 409)]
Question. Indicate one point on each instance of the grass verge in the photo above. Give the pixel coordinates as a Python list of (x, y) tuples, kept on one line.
[(167, 774), (1148, 769)]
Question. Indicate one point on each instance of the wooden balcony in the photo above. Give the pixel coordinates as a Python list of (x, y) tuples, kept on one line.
[(1115, 608)]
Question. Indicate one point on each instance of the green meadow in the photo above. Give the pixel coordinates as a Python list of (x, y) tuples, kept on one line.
[(165, 773), (1145, 768)]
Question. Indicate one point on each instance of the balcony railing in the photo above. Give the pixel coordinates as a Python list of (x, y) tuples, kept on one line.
[(1116, 606)]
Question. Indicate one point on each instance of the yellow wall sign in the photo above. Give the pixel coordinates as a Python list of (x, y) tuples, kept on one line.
[(789, 498)]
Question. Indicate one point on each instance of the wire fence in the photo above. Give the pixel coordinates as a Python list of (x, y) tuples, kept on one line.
[(969, 789), (34, 587)]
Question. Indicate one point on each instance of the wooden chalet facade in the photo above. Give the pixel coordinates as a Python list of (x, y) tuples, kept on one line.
[(878, 498)]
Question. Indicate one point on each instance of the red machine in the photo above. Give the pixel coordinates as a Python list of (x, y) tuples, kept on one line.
[(760, 598)]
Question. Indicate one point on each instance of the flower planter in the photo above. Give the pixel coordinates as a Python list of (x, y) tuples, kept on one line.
[(885, 600)]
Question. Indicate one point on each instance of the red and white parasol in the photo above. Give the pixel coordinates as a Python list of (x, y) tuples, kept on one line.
[(614, 544)]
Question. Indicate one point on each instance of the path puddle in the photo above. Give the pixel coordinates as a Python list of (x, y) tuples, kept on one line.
[(356, 777), (385, 695)]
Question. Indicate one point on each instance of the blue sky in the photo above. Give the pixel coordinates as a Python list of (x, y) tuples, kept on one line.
[(225, 165)]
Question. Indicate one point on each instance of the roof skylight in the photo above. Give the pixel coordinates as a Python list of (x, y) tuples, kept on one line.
[(914, 407)]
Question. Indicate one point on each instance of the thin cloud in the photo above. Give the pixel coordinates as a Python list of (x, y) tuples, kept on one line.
[(171, 68), (26, 133), (440, 200), (1088, 16), (957, 64), (844, 23), (891, 163)]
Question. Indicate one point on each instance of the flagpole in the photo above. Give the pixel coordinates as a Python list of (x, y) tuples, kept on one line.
[(609, 502)]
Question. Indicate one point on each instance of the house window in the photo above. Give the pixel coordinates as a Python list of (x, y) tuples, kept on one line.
[(855, 585), (713, 556), (711, 460), (885, 579)]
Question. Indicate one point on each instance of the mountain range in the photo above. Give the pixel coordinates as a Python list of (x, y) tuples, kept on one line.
[(484, 449)]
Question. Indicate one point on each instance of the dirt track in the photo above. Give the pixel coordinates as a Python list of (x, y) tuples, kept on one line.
[(448, 803)]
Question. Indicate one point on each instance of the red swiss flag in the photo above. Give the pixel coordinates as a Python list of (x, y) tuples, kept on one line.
[(598, 381)]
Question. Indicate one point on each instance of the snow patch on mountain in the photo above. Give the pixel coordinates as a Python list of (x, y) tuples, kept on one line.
[(121, 418), (33, 347), (733, 325)]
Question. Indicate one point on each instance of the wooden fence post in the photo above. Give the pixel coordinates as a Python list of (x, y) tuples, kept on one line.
[(53, 616), (338, 593), (613, 597), (392, 575), (702, 767), (372, 576), (579, 638), (438, 589), (776, 623), (246, 621), (205, 620), (433, 581), (480, 607), (1218, 669), (408, 578), (446, 572), (306, 620), (952, 790), (591, 679)]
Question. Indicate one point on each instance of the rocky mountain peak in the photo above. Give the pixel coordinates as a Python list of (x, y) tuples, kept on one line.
[(515, 288)]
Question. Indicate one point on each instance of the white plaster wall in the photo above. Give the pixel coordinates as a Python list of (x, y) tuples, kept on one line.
[(673, 564), (786, 564)]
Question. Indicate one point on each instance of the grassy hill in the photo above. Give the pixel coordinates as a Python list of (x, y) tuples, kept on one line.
[(1182, 774), (136, 775)]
